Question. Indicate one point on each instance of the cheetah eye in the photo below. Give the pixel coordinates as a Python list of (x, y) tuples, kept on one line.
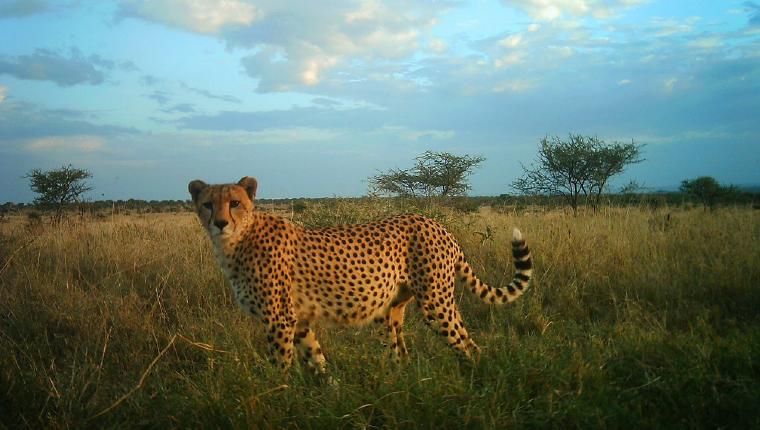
[(208, 205), (234, 203)]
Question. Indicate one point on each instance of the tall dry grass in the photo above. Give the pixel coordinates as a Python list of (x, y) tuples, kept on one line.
[(633, 319)]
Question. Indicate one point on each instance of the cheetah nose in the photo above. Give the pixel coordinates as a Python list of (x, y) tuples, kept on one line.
[(220, 224)]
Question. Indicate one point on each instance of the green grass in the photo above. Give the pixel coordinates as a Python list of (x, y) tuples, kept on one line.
[(631, 321)]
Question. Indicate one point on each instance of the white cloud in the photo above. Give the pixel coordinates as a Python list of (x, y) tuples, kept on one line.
[(668, 27), (3, 92), (307, 44), (310, 75), (511, 41), (670, 84), (624, 82), (291, 135), (66, 71), (429, 134), (132, 164), (682, 136), (561, 51), (538, 47), (509, 60), (201, 16), (271, 135), (437, 46), (406, 133), (367, 11), (514, 86), (71, 143), (649, 58), (707, 43), (550, 10)]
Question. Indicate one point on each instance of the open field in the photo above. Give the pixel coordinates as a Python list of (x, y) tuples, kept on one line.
[(632, 320)]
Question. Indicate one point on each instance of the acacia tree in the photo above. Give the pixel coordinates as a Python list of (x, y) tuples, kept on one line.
[(706, 189), (575, 167), (59, 187), (434, 174)]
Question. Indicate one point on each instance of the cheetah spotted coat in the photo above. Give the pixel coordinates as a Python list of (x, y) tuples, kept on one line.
[(291, 276)]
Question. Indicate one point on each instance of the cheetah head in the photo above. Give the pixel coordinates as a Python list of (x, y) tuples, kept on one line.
[(223, 209)]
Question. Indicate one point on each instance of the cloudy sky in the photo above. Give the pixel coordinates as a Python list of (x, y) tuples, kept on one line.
[(312, 97)]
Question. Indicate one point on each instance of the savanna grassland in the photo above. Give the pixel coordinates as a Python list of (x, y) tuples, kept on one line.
[(634, 320)]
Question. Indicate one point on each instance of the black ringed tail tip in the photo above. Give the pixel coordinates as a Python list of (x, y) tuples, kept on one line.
[(523, 271)]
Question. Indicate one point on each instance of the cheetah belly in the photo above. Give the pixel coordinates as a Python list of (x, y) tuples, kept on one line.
[(346, 291), (348, 306)]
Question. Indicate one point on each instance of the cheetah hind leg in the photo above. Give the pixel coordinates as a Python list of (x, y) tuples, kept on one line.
[(382, 331), (309, 349), (445, 319), (473, 350)]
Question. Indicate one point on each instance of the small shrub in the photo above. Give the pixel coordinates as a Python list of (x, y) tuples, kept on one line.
[(299, 206), (465, 205), (33, 217)]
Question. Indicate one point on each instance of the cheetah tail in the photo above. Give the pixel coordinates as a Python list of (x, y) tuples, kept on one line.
[(523, 271)]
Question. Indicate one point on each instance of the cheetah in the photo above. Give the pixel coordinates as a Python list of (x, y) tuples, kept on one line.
[(291, 277)]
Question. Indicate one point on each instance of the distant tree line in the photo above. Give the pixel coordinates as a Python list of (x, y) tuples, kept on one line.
[(572, 171)]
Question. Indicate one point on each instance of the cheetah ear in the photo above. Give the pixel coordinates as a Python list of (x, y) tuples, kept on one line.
[(250, 186), (195, 187)]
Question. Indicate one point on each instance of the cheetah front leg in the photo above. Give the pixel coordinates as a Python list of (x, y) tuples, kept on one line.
[(395, 323), (308, 348), (280, 321), (280, 338)]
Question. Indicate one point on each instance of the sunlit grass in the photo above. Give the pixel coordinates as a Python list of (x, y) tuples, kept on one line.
[(632, 320)]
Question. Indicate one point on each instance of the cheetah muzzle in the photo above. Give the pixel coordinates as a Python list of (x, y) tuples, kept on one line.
[(291, 277)]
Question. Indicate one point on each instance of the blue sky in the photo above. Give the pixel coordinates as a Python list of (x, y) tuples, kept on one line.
[(312, 98)]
